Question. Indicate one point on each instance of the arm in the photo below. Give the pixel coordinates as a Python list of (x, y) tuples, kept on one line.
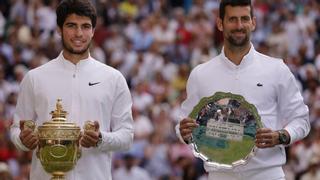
[(185, 126), (24, 110), (121, 135), (294, 113)]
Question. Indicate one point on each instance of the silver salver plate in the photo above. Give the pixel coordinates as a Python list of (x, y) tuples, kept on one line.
[(225, 137)]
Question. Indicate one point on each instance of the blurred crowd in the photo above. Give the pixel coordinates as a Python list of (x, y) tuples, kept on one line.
[(155, 44)]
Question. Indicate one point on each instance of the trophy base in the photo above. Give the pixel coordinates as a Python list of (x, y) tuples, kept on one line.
[(58, 176)]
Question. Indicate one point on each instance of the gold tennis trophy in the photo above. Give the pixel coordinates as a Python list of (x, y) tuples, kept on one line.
[(58, 148)]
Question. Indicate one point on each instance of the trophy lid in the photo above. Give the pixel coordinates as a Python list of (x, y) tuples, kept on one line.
[(59, 118)]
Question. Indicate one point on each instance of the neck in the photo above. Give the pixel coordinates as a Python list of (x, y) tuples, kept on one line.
[(75, 58), (236, 53)]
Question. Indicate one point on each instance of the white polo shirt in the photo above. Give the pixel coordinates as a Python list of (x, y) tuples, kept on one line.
[(263, 81), (89, 90)]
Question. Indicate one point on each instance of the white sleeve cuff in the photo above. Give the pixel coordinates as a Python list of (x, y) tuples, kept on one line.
[(20, 145), (293, 136)]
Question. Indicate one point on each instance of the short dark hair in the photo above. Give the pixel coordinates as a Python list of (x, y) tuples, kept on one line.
[(78, 7), (224, 3)]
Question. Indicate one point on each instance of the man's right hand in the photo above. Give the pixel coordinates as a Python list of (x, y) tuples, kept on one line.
[(186, 127), (28, 137)]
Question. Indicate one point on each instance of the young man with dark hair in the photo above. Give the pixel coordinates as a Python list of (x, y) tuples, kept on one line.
[(89, 90), (263, 81)]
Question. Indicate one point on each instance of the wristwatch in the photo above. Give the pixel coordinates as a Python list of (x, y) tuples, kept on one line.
[(99, 140), (283, 137)]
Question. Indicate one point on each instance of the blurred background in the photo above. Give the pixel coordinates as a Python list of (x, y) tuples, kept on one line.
[(155, 44)]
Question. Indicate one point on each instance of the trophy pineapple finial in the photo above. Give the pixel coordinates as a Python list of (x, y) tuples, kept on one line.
[(59, 114)]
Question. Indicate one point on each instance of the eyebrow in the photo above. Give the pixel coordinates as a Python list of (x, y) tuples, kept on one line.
[(70, 23), (241, 17), (73, 23)]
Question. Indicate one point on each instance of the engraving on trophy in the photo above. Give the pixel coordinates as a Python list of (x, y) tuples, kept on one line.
[(225, 130), (58, 151)]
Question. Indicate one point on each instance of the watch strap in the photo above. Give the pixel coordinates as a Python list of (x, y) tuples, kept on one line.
[(283, 137)]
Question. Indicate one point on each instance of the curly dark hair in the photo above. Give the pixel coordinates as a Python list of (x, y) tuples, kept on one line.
[(78, 7)]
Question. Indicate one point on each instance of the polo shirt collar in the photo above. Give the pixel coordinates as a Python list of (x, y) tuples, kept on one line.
[(69, 65), (246, 61)]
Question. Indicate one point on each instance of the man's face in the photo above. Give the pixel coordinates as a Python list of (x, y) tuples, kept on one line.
[(76, 34), (237, 25)]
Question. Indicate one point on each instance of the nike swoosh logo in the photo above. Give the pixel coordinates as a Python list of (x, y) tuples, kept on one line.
[(92, 84)]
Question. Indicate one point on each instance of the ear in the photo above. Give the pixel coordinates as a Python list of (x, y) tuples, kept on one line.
[(254, 23), (59, 30), (93, 30), (219, 24)]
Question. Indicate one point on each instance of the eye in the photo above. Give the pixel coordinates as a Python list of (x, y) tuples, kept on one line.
[(87, 26), (233, 19), (245, 18), (70, 25)]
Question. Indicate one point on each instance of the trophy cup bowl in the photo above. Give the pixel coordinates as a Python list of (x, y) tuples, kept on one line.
[(58, 148)]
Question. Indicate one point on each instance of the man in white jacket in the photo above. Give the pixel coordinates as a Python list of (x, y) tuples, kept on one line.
[(263, 81), (89, 90)]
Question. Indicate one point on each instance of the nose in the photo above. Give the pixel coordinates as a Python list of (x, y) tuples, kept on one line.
[(79, 31), (239, 24)]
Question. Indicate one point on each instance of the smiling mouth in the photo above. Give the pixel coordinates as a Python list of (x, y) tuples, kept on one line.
[(239, 33), (78, 43)]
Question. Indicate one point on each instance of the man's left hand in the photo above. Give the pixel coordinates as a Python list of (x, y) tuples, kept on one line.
[(266, 138), (90, 138)]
